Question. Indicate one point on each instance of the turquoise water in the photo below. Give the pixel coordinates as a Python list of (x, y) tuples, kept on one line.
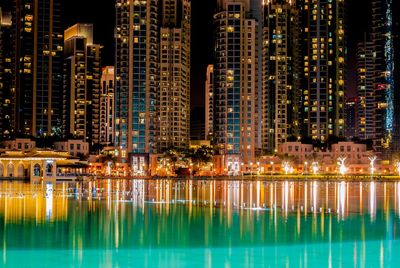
[(170, 223)]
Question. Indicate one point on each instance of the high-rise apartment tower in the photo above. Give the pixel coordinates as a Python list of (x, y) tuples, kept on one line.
[(82, 74), (174, 95)]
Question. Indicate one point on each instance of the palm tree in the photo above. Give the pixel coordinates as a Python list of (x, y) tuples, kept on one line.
[(108, 158), (201, 155), (172, 155)]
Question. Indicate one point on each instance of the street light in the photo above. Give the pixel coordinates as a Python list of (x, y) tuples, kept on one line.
[(272, 167), (342, 166), (398, 167), (372, 160), (109, 168), (315, 167), (287, 168)]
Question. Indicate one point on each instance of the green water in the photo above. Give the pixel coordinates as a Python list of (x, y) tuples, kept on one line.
[(200, 224)]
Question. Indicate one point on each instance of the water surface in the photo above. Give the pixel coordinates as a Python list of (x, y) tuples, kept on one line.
[(180, 223)]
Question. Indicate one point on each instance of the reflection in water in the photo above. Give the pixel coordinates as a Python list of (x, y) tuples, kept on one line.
[(24, 201), (398, 198), (372, 200), (341, 199), (190, 214), (49, 201)]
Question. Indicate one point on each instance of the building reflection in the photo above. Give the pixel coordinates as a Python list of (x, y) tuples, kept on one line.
[(143, 213), (38, 202), (48, 202)]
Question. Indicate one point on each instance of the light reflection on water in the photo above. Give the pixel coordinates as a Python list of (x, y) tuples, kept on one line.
[(211, 223)]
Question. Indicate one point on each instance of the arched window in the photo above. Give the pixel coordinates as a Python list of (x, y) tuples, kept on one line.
[(1, 170), (36, 170), (10, 170), (49, 168), (20, 171)]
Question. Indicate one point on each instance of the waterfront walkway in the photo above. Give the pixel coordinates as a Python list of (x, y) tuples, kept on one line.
[(332, 177)]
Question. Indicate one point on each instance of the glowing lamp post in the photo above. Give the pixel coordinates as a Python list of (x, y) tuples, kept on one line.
[(372, 160), (272, 167), (287, 168), (398, 167), (315, 167), (109, 168), (342, 165)]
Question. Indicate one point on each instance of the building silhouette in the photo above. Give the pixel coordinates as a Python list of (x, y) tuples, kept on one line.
[(82, 73), (281, 73), (107, 108), (38, 56), (137, 79), (324, 59), (174, 92), (236, 84)]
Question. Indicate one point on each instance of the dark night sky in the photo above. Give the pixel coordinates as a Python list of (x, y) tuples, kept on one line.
[(101, 13)]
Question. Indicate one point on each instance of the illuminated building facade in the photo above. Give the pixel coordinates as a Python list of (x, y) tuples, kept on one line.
[(281, 72), (7, 91), (324, 58), (175, 74), (365, 91), (82, 84), (386, 97), (351, 117), (383, 64), (396, 76), (235, 84), (38, 47), (107, 110), (137, 79), (209, 109)]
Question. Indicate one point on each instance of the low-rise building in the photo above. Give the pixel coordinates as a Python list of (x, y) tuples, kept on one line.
[(19, 144), (299, 151), (356, 158), (353, 152), (74, 147), (40, 164)]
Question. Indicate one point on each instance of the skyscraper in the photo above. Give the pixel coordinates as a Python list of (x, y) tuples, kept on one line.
[(107, 110), (351, 117), (236, 84), (383, 88), (383, 25), (175, 74), (38, 52), (324, 57), (7, 63), (209, 100), (82, 84), (281, 72), (365, 91), (396, 76), (137, 80)]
